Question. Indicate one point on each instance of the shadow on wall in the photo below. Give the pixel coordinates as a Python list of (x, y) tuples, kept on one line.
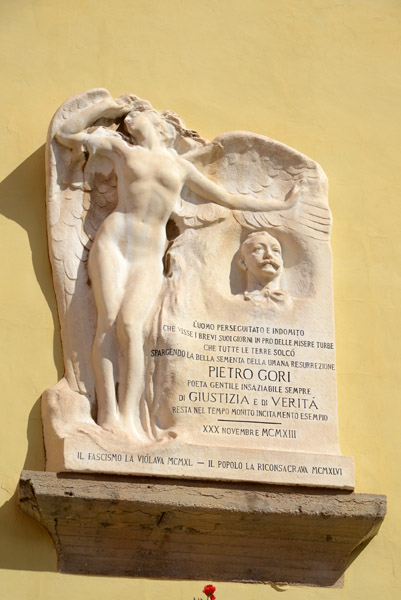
[(22, 199), (26, 545), (22, 196)]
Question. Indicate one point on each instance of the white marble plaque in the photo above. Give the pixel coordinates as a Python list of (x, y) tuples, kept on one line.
[(194, 285)]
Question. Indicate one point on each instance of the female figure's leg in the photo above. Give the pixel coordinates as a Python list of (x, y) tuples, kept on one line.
[(143, 288), (108, 274)]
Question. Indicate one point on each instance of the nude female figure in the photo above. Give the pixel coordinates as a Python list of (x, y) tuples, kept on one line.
[(126, 258)]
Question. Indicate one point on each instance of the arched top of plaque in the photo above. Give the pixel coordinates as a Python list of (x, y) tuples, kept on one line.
[(254, 165)]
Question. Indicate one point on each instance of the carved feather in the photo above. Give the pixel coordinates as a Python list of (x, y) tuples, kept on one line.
[(72, 196), (255, 166)]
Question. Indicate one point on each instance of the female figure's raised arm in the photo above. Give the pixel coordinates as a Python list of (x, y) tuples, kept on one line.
[(208, 190), (71, 133)]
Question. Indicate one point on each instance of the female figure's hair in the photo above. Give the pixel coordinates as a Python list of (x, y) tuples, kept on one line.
[(171, 127)]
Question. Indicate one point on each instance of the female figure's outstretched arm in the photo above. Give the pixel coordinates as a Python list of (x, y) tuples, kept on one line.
[(208, 190)]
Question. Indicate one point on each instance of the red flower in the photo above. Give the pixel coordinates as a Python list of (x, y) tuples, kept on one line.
[(209, 591)]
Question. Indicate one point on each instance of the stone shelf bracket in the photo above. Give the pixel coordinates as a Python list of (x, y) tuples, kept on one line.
[(214, 531)]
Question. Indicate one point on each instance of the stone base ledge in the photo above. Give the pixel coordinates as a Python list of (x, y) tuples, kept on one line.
[(211, 531)]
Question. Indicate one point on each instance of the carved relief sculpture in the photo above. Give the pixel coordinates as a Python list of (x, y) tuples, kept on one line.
[(261, 258), (156, 238)]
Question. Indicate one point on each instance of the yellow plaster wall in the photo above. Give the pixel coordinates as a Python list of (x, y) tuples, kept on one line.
[(320, 75)]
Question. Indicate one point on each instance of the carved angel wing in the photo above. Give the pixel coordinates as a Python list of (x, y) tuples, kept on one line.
[(81, 192), (254, 165)]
